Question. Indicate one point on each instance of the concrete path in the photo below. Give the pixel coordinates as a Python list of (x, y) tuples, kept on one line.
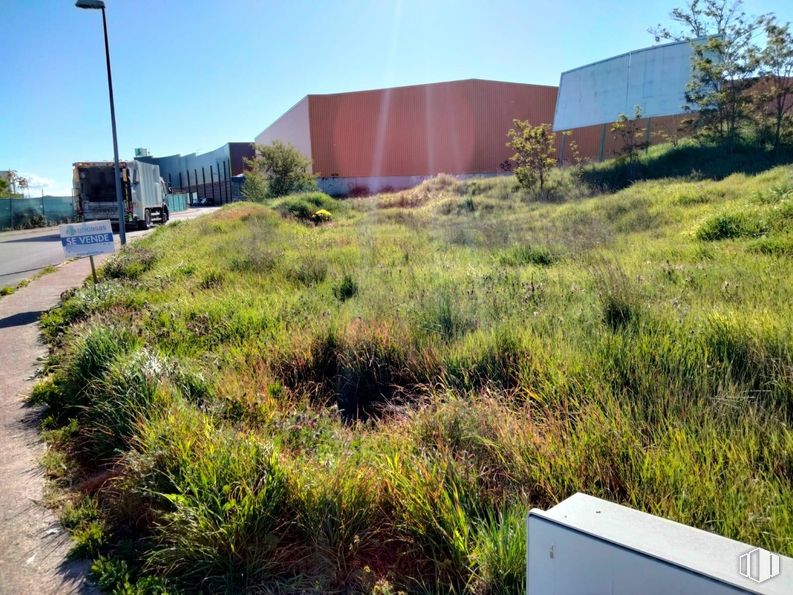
[(33, 545)]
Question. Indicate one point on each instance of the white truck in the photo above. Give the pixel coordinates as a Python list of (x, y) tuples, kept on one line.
[(143, 190)]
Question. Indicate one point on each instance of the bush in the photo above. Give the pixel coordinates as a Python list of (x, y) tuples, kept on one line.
[(524, 254), (305, 206), (278, 169), (729, 225)]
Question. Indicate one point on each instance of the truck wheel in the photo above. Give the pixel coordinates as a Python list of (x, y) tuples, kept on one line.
[(146, 223), (164, 216)]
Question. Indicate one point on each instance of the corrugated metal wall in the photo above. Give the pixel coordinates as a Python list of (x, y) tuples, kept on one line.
[(292, 127), (457, 127), (208, 174), (588, 139)]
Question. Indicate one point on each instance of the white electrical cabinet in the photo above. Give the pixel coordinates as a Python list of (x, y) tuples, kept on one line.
[(588, 546)]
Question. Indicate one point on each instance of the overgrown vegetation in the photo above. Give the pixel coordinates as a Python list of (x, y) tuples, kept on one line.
[(277, 170), (740, 87), (250, 401)]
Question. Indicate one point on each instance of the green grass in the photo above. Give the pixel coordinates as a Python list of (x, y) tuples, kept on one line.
[(373, 403)]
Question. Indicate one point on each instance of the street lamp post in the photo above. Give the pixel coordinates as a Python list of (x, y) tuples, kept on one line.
[(100, 5)]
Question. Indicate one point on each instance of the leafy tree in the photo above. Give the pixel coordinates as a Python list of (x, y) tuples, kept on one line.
[(723, 65), (14, 181), (3, 186), (534, 153), (699, 19), (774, 95), (277, 170)]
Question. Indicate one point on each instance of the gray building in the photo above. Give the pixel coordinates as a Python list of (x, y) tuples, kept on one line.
[(215, 177)]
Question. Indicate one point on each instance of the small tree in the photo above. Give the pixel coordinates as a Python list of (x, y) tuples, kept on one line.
[(534, 153), (630, 136), (3, 187), (277, 170), (774, 95)]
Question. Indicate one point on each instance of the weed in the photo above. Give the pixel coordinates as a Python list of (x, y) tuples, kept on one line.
[(777, 246), (618, 297), (129, 264), (88, 539), (212, 280), (522, 255), (346, 288), (729, 225), (308, 271)]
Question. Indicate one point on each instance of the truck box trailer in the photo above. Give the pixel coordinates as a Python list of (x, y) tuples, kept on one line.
[(143, 190)]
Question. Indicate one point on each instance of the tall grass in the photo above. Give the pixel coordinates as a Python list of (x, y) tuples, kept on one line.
[(255, 401)]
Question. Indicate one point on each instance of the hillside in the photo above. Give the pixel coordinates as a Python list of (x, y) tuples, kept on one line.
[(372, 400)]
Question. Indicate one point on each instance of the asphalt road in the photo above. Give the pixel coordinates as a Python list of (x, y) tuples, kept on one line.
[(24, 253)]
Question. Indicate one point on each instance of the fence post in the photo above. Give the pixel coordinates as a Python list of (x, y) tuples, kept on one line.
[(212, 181), (228, 181), (220, 183)]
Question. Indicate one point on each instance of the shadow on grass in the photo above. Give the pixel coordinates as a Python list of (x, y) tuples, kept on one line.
[(691, 160)]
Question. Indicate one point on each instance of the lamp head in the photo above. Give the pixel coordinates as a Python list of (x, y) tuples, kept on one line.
[(97, 4)]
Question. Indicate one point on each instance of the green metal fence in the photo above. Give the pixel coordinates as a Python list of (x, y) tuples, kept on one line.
[(25, 213), (178, 202)]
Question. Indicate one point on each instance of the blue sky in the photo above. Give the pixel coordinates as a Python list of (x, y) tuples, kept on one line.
[(192, 75)]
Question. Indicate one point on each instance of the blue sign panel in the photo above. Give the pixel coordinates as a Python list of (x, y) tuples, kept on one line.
[(87, 239)]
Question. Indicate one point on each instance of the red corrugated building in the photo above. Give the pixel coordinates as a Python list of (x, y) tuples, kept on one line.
[(366, 141), (369, 140)]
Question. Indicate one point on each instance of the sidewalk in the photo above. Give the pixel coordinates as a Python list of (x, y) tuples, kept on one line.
[(33, 546)]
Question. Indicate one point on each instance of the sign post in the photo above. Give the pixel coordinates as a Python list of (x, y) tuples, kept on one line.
[(87, 239), (93, 269)]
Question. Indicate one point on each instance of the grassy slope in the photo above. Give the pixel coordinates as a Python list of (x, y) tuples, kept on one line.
[(229, 382)]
